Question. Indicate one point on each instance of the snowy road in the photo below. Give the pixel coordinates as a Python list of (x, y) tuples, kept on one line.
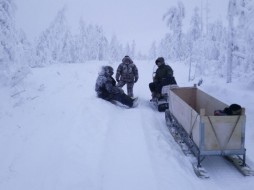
[(56, 135)]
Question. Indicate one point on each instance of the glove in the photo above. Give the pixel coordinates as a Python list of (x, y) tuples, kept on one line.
[(136, 79)]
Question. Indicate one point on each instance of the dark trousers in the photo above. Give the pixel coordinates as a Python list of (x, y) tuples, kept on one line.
[(122, 98), (157, 86), (129, 87)]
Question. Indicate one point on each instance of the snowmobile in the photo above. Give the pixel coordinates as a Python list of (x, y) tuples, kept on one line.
[(161, 101)]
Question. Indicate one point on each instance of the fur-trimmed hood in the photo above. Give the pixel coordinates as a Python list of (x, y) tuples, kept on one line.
[(127, 59)]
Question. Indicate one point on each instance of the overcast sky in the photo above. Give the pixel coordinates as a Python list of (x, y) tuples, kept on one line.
[(139, 20)]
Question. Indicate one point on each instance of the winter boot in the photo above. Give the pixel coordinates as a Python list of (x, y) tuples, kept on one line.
[(153, 97), (135, 102)]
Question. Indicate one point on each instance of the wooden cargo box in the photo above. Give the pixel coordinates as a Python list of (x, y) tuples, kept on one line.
[(213, 135)]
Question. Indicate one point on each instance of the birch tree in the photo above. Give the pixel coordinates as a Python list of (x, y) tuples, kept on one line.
[(231, 12), (174, 18)]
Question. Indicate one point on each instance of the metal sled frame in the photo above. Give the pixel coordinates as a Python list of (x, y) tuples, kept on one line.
[(191, 115), (199, 151)]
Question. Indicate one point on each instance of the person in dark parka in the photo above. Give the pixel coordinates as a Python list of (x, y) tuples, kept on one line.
[(127, 73), (164, 75), (106, 88)]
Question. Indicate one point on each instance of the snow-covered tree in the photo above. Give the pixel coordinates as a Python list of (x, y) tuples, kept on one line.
[(195, 26), (166, 49), (174, 18), (90, 43), (133, 50), (115, 49), (194, 33), (141, 56), (215, 41), (7, 38), (43, 50), (103, 48), (24, 50), (246, 23), (81, 43), (127, 50), (55, 42), (130, 50), (232, 10), (152, 51), (12, 46), (94, 37), (206, 52), (238, 11)]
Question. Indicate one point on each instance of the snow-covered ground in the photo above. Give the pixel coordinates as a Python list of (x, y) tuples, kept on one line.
[(55, 134)]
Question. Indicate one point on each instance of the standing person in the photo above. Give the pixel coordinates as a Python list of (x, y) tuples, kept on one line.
[(106, 88), (164, 75), (127, 73)]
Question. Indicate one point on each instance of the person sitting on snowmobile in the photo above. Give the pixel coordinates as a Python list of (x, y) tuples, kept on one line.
[(163, 76), (127, 73), (106, 88)]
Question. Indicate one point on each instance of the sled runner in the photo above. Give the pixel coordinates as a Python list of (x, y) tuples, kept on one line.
[(193, 124)]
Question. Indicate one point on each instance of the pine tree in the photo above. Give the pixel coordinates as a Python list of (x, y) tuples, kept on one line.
[(115, 49), (81, 43), (103, 48), (14, 49), (90, 43), (7, 39), (55, 42)]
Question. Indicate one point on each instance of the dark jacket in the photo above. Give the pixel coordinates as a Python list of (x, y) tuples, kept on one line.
[(106, 87), (164, 74)]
